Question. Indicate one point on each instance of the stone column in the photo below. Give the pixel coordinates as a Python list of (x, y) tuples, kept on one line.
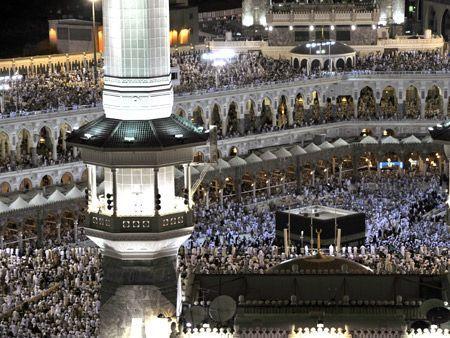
[(207, 199), (422, 109), (238, 188), (221, 196), (75, 230), (92, 185), (254, 190), (3, 150), (298, 175), (2, 242), (58, 230), (269, 189), (74, 152), (40, 230), (20, 241), (54, 151), (34, 158)]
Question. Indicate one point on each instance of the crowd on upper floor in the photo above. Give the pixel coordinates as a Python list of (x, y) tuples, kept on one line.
[(71, 89)]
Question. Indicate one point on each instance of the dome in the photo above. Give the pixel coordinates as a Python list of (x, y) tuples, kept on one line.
[(321, 263), (311, 48)]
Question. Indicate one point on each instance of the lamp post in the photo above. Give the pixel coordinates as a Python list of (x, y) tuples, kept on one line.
[(94, 41)]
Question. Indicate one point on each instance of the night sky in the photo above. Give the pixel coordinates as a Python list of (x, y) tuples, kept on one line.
[(24, 23)]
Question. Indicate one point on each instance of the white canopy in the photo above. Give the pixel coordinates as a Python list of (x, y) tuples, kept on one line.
[(194, 171), (74, 193), (221, 164), (56, 196), (237, 162), (340, 143), (312, 148), (326, 145), (253, 158), (178, 173), (411, 140), (38, 200), (267, 156), (390, 140), (369, 140), (282, 153), (297, 150), (19, 203)]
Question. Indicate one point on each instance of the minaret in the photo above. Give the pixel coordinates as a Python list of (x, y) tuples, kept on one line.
[(135, 216)]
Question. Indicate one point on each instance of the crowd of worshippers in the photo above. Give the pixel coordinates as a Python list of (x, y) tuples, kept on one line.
[(71, 89), (51, 91), (405, 228), (428, 61), (50, 292)]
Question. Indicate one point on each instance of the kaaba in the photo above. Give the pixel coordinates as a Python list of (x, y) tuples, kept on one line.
[(326, 219)]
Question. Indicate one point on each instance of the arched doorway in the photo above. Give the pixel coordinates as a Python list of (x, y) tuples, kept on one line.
[(250, 116), (366, 104), (315, 106), (434, 103), (25, 185), (412, 103), (5, 147), (388, 102), (46, 181), (299, 110), (315, 66), (304, 65), (64, 132), (215, 119), (5, 188), (232, 119), (67, 179), (349, 63), (282, 116), (266, 113), (25, 142), (340, 65), (45, 143), (180, 112), (197, 117), (345, 107)]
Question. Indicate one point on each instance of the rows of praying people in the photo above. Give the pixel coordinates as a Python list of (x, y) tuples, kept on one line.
[(405, 228)]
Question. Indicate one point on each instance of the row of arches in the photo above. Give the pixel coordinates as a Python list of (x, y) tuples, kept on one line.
[(66, 179), (316, 65), (28, 149), (314, 109)]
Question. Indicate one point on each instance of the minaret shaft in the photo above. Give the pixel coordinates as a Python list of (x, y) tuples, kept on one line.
[(137, 59)]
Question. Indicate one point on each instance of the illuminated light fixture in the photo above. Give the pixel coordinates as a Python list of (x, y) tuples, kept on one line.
[(291, 28), (430, 128), (129, 138), (353, 27), (88, 136), (374, 27), (439, 125), (313, 45), (332, 27), (308, 45), (179, 136), (270, 28), (311, 28)]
